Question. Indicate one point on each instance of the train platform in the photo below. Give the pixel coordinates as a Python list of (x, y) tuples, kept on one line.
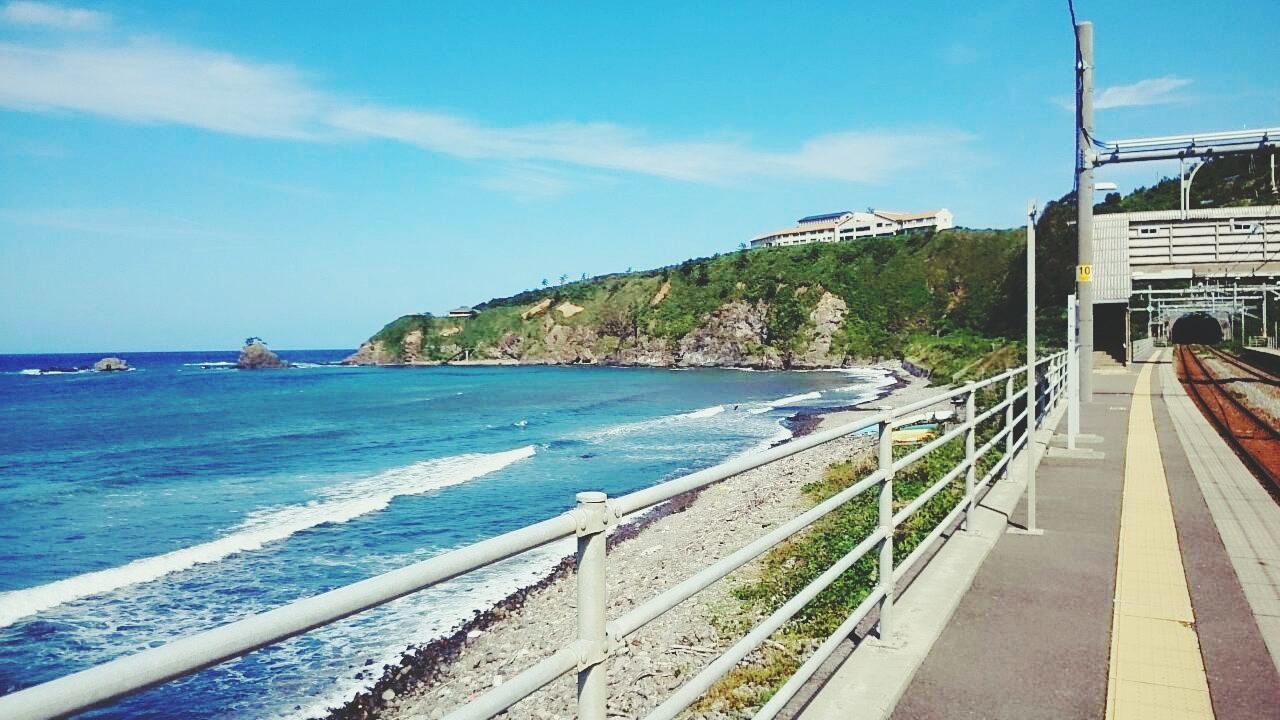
[(1153, 591)]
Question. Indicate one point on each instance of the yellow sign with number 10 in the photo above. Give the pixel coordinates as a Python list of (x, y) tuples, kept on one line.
[(1084, 273)]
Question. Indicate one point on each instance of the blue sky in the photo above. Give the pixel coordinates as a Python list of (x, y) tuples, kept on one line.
[(182, 175)]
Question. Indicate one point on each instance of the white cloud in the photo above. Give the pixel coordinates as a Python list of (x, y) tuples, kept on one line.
[(1154, 91), (23, 12), (147, 82)]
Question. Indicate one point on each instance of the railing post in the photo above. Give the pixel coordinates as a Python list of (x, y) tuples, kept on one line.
[(970, 450), (1008, 423), (886, 526), (593, 646)]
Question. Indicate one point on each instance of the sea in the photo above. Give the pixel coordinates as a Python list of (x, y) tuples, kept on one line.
[(138, 507)]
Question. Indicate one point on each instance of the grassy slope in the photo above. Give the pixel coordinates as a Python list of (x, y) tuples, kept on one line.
[(896, 288)]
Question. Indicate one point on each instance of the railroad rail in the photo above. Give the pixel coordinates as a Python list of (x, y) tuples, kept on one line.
[(1253, 437), (1257, 372)]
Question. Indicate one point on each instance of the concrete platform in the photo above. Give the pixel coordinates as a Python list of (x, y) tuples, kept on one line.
[(1034, 636)]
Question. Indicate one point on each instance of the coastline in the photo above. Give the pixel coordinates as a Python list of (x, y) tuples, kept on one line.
[(531, 622)]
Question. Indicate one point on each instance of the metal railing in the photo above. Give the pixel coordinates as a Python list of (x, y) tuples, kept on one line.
[(590, 521)]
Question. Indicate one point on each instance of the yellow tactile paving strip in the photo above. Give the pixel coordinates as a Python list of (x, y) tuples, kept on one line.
[(1156, 669)]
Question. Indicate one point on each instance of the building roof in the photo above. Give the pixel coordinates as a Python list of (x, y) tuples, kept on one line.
[(464, 310), (807, 227), (825, 216), (1219, 213), (900, 216)]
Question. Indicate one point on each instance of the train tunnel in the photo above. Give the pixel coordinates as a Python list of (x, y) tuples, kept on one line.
[(1196, 329)]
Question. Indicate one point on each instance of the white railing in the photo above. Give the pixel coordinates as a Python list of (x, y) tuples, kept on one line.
[(590, 521)]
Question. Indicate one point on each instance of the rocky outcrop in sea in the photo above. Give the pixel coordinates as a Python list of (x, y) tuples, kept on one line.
[(111, 364), (256, 356)]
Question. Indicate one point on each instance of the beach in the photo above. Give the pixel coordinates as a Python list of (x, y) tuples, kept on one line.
[(668, 544)]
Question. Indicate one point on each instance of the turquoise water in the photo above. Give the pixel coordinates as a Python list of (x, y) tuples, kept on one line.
[(142, 506)]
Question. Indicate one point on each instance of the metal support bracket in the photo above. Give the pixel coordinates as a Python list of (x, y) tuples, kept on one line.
[(590, 523), (594, 653)]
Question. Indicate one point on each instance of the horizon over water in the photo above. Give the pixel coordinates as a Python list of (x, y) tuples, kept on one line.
[(143, 506)]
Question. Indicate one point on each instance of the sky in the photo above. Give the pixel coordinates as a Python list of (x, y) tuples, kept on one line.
[(178, 176)]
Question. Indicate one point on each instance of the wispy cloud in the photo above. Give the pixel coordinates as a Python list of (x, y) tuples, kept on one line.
[(1154, 91), (958, 53), (531, 182), (148, 81), (58, 17), (115, 223)]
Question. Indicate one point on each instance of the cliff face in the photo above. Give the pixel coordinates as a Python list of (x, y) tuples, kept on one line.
[(810, 306), (736, 334)]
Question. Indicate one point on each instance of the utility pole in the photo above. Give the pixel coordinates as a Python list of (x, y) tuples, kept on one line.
[(1084, 204)]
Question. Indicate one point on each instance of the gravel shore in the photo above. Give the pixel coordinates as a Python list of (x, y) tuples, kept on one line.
[(668, 544)]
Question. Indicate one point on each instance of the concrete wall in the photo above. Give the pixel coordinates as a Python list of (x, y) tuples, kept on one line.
[(1142, 349)]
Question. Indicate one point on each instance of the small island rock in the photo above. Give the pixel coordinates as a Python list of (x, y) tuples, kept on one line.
[(255, 356), (110, 364)]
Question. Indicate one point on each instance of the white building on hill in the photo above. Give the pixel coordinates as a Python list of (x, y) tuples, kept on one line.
[(849, 225)]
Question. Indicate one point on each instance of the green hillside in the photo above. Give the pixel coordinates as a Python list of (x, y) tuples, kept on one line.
[(945, 300), (893, 289)]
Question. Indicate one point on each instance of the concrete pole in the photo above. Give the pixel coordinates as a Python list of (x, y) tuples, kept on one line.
[(1084, 205), (1032, 400)]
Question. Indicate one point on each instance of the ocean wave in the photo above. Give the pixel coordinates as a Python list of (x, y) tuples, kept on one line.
[(210, 364), (784, 433), (419, 618), (793, 399), (704, 412), (653, 424), (869, 381), (783, 402), (337, 505)]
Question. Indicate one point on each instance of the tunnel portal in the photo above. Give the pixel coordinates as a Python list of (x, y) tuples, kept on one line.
[(1196, 329)]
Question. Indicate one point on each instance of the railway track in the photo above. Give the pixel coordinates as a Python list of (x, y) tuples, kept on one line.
[(1253, 437), (1252, 370)]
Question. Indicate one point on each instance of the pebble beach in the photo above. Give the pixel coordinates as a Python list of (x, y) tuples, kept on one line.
[(652, 552)]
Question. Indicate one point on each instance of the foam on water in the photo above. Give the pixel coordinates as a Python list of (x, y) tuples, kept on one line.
[(338, 505), (430, 615), (643, 426), (793, 399), (783, 402), (704, 412)]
